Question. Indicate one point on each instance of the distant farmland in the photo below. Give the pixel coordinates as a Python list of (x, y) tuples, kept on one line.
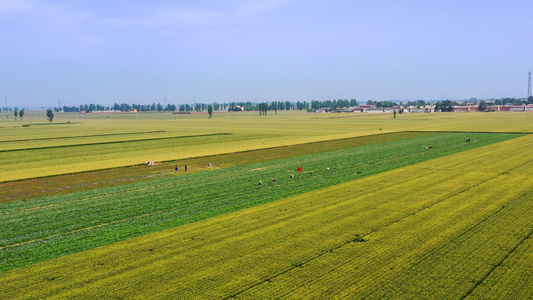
[(379, 210)]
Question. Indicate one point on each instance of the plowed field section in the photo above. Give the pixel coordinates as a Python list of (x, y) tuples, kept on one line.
[(443, 228)]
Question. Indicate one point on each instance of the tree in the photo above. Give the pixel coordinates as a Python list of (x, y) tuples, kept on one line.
[(262, 108), (49, 115), (438, 106), (384, 104), (210, 110), (21, 113), (482, 106), (16, 113), (394, 113), (445, 105)]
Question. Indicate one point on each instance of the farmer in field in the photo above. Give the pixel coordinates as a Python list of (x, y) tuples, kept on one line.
[(185, 168), (260, 182), (299, 169), (176, 169), (292, 175)]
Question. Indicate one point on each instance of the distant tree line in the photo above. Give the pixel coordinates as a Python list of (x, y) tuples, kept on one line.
[(263, 107), (203, 107), (118, 107)]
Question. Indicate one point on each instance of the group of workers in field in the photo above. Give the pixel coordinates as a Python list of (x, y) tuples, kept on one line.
[(292, 175), (300, 168)]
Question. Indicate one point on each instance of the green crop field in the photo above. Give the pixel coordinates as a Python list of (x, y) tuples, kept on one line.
[(384, 208)]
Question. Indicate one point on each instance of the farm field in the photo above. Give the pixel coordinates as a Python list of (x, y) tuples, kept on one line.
[(450, 227), (94, 142), (42, 228), (374, 214)]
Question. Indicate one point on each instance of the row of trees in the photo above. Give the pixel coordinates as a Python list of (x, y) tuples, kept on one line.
[(202, 107), (118, 107)]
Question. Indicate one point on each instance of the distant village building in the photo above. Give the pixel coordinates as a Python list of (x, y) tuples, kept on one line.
[(467, 107)]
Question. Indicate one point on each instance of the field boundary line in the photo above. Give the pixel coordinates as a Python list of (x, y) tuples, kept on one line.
[(468, 131)]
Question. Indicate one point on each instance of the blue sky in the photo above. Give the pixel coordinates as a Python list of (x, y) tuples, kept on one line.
[(80, 52)]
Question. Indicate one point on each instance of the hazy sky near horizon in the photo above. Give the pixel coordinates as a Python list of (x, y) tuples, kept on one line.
[(101, 52)]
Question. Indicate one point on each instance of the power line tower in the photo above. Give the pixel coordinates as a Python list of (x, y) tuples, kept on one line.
[(528, 85)]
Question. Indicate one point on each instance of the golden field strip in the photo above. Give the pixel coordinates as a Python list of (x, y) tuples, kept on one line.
[(455, 227), (184, 136)]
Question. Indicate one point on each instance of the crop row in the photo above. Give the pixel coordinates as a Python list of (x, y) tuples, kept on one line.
[(44, 228), (432, 229)]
